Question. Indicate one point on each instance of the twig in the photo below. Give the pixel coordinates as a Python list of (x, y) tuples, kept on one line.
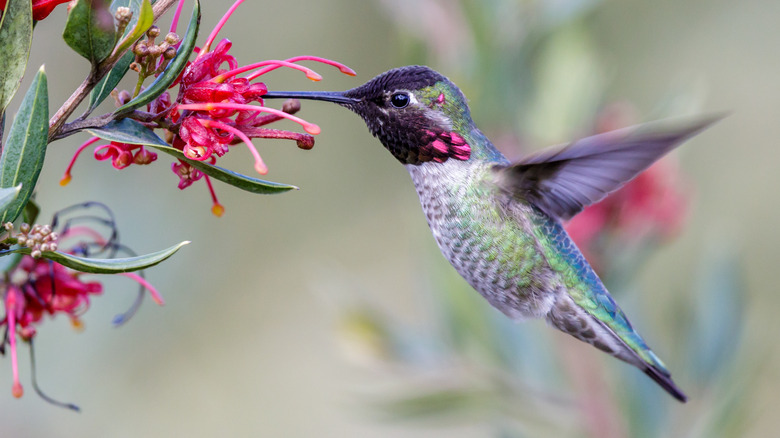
[(98, 122)]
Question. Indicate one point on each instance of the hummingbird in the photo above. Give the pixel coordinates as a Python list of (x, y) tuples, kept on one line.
[(500, 223)]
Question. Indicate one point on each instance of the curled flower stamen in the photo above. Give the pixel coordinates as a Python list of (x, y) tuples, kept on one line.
[(148, 286), (67, 177), (342, 68), (260, 166), (311, 74), (217, 28), (37, 388), (311, 128)]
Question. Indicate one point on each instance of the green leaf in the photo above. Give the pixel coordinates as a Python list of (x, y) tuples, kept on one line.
[(31, 211), (143, 17), (127, 131), (15, 37), (22, 157), (133, 132), (174, 68), (90, 30), (106, 85), (106, 266), (7, 197)]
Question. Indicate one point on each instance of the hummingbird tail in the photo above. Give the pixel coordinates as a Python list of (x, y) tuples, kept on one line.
[(665, 382), (569, 318)]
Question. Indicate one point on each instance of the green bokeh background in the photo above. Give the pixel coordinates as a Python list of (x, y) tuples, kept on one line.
[(246, 344)]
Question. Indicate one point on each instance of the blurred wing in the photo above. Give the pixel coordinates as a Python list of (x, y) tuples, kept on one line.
[(563, 180)]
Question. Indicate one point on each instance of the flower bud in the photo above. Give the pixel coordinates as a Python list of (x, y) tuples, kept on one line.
[(291, 106), (123, 15), (172, 38), (153, 32), (141, 48), (123, 97), (169, 53), (155, 51)]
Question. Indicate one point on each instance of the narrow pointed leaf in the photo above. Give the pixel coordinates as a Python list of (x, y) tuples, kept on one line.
[(143, 18), (8, 196), (106, 85), (128, 131), (22, 157), (174, 68), (90, 30), (107, 266), (133, 132), (15, 37)]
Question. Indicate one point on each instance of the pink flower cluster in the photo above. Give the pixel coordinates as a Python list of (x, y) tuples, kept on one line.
[(216, 108)]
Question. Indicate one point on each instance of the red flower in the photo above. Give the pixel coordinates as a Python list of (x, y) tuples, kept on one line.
[(214, 110), (40, 8)]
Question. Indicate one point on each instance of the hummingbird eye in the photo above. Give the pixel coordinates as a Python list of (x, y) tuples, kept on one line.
[(399, 100)]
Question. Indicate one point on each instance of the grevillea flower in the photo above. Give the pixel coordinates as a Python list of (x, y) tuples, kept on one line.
[(40, 8), (120, 154), (215, 108), (37, 287)]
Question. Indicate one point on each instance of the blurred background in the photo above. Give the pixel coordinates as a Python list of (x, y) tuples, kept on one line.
[(329, 312)]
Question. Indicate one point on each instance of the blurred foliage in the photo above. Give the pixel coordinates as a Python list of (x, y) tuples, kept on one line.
[(532, 68)]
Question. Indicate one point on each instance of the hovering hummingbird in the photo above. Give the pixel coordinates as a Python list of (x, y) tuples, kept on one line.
[(500, 223)]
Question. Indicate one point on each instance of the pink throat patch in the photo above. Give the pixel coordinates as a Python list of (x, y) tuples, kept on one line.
[(445, 145)]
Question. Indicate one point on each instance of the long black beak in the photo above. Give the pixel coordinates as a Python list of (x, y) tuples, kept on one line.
[(327, 96)]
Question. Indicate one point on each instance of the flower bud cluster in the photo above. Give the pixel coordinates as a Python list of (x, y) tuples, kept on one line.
[(123, 16), (147, 52), (38, 237)]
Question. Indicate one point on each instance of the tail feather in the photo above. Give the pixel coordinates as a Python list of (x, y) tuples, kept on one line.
[(665, 382), (568, 317)]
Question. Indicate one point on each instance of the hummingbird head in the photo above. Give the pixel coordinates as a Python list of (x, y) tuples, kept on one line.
[(417, 114)]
